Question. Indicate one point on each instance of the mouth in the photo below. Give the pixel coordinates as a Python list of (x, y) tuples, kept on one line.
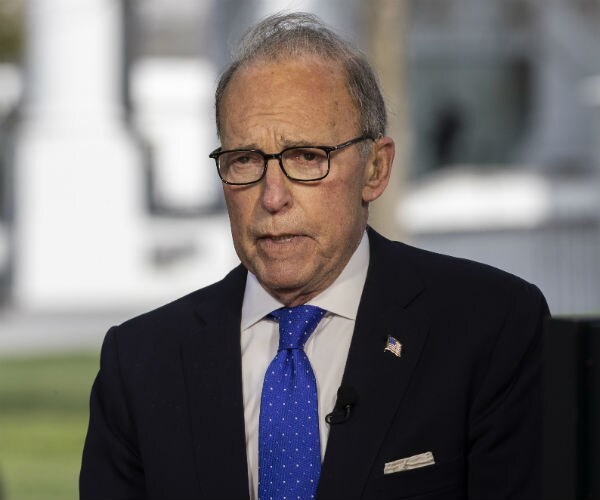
[(283, 247), (280, 238), (275, 243)]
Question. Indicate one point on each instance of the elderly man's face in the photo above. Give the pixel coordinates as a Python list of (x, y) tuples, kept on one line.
[(297, 237)]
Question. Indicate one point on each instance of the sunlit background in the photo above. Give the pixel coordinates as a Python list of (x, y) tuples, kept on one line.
[(109, 205)]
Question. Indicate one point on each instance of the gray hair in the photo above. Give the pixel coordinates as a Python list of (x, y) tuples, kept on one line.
[(297, 34)]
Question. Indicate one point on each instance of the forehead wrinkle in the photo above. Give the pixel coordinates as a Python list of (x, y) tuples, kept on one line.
[(297, 134), (284, 143)]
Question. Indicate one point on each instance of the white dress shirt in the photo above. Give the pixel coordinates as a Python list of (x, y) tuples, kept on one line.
[(327, 347)]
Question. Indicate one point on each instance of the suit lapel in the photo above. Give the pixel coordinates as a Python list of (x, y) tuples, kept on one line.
[(380, 378), (212, 366)]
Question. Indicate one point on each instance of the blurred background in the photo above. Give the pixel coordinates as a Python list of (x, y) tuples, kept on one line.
[(110, 206)]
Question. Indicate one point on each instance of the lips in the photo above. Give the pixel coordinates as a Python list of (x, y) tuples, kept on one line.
[(280, 241), (280, 237)]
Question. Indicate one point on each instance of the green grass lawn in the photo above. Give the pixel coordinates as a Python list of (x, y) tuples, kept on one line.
[(43, 419)]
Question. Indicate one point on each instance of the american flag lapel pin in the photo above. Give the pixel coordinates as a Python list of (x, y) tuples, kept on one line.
[(394, 346)]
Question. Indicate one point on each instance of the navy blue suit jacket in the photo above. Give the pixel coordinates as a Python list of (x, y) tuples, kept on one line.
[(167, 416)]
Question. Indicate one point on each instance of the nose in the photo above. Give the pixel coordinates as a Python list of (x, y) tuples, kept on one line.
[(276, 194)]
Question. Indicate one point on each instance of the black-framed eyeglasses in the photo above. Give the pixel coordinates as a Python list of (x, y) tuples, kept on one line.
[(298, 163)]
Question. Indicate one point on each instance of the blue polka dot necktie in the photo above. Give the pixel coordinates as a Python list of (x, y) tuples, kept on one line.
[(289, 459)]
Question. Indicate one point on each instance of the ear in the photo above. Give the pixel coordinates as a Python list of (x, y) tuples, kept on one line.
[(378, 169)]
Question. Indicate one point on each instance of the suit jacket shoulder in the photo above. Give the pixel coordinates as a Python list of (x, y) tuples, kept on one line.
[(168, 320), (453, 277), (167, 380), (464, 387)]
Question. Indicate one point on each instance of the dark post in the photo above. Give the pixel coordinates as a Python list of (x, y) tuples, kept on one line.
[(571, 409)]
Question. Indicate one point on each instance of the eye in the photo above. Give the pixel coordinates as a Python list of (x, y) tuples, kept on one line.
[(237, 159), (306, 156), (243, 158)]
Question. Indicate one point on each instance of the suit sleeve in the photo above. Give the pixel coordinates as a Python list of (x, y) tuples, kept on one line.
[(111, 465), (504, 439)]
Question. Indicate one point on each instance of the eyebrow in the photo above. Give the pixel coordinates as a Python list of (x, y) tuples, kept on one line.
[(287, 143)]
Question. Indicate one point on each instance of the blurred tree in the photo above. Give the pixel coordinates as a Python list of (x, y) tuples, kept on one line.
[(11, 30), (386, 28)]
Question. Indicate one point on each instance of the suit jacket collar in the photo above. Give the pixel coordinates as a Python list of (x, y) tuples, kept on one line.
[(379, 377)]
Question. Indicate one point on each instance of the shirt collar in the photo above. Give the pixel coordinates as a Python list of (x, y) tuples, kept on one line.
[(342, 297)]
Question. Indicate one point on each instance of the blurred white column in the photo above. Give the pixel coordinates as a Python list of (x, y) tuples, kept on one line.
[(79, 185), (173, 109)]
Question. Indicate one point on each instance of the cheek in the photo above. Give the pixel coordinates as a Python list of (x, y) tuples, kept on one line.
[(238, 211), (344, 196), (238, 201), (342, 206)]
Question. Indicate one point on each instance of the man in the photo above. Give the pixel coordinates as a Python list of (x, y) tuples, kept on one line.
[(437, 358)]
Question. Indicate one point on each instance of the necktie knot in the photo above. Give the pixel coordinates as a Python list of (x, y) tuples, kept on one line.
[(296, 324)]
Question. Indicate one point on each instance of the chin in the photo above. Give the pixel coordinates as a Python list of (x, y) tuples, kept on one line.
[(287, 282), (282, 277)]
